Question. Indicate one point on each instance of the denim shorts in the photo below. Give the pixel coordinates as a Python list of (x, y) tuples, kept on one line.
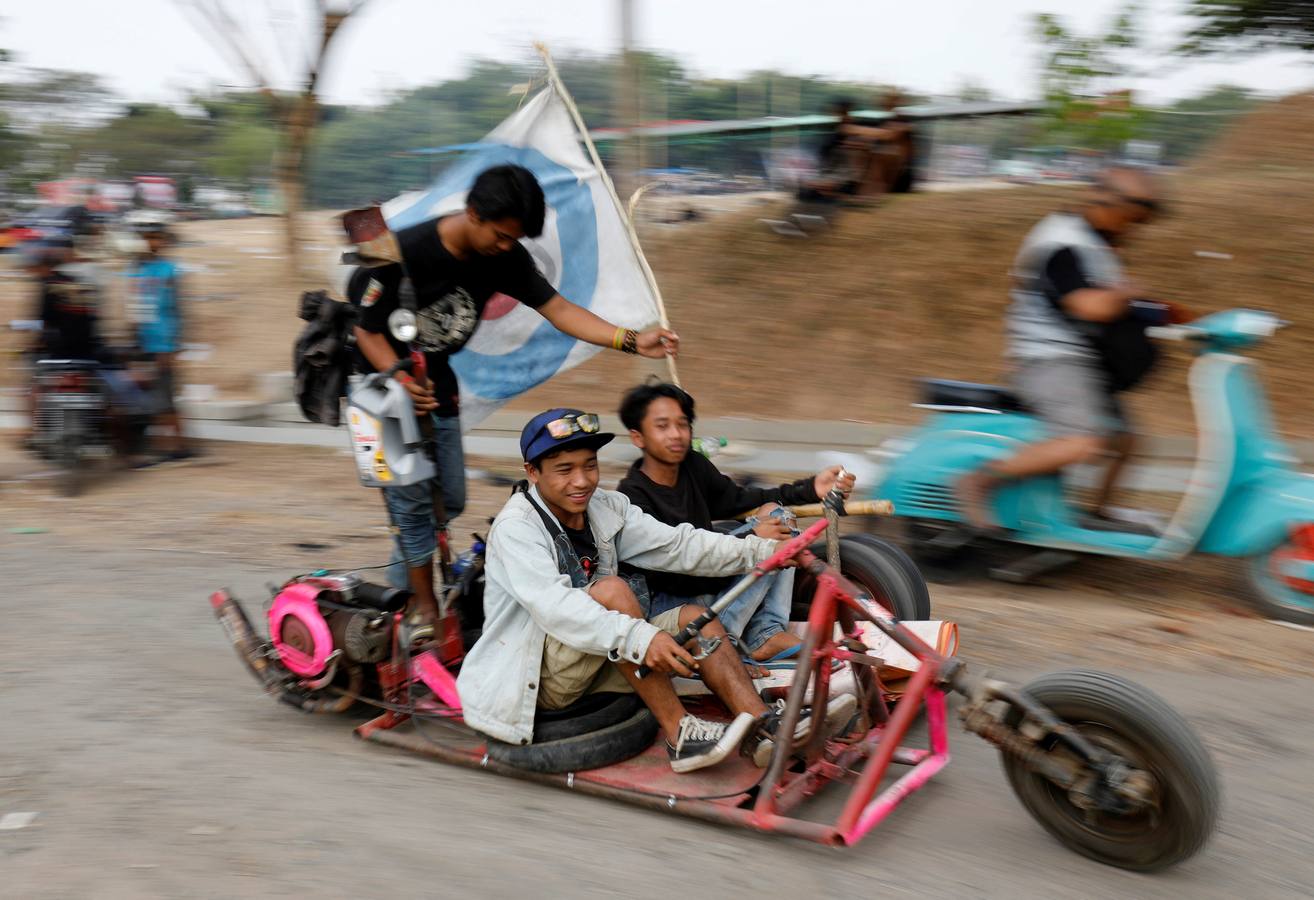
[(759, 613), (410, 508)]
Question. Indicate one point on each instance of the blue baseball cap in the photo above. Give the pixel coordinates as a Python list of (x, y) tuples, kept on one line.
[(536, 439)]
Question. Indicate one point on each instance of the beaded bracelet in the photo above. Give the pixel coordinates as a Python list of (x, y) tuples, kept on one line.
[(631, 342)]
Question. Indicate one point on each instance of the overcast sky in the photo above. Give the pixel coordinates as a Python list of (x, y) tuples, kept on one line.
[(152, 49)]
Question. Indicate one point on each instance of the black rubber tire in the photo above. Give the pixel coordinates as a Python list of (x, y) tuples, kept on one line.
[(1272, 598), (916, 581), (592, 712), (68, 456), (880, 575), (1131, 720), (594, 750)]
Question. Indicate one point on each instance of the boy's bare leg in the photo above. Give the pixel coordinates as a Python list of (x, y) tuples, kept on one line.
[(423, 600), (1119, 449), (722, 670), (656, 691), (775, 645)]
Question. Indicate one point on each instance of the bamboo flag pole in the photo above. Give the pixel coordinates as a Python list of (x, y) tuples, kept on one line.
[(554, 79)]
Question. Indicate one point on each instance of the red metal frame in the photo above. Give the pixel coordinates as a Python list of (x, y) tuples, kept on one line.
[(646, 781)]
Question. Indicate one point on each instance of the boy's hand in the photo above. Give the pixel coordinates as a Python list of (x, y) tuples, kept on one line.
[(421, 393), (666, 656), (790, 563), (656, 343), (833, 477), (773, 529)]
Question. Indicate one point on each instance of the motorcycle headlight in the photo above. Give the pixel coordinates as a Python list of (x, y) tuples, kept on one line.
[(402, 324)]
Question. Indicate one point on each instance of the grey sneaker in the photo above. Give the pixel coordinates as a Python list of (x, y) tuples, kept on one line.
[(839, 712), (767, 732), (700, 743)]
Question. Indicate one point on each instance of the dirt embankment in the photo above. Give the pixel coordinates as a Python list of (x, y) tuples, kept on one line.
[(842, 326)]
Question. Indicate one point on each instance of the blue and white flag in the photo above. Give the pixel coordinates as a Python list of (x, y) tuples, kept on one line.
[(584, 251)]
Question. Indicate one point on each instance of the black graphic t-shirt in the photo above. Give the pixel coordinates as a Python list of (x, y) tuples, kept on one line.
[(586, 549), (450, 296)]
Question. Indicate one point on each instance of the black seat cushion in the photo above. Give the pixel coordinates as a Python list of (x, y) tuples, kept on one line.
[(937, 392)]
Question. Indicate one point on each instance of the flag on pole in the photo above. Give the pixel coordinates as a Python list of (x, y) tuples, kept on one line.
[(584, 251)]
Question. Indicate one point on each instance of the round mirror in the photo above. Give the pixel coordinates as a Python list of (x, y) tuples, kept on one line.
[(401, 322)]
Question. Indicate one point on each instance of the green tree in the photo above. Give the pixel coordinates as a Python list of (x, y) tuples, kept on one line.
[(1080, 75), (1250, 25)]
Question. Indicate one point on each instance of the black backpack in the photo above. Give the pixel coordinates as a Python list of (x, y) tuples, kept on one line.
[(1126, 352), (322, 356)]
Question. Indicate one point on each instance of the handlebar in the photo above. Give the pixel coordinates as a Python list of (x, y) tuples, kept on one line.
[(856, 508), (419, 367), (1176, 333), (1230, 328)]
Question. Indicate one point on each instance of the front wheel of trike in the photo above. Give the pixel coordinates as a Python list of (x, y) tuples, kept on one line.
[(1130, 722)]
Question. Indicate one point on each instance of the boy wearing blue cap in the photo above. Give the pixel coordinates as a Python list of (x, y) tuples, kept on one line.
[(560, 623)]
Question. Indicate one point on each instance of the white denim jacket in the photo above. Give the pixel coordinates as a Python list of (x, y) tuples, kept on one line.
[(527, 598)]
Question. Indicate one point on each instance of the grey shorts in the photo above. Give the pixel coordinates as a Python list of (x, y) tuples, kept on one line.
[(1071, 396)]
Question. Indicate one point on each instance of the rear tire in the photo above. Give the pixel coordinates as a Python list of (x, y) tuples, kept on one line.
[(1137, 725), (916, 581), (885, 576), (68, 456), (592, 712), (1272, 596)]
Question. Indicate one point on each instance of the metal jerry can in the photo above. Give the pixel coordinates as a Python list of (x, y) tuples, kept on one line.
[(385, 434)]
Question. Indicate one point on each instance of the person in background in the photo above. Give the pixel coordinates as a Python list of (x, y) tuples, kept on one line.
[(156, 310), (889, 167)]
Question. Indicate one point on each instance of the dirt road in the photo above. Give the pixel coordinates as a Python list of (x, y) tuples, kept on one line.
[(157, 769)]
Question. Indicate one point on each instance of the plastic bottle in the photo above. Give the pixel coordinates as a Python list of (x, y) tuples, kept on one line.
[(709, 447), (384, 434), (462, 564)]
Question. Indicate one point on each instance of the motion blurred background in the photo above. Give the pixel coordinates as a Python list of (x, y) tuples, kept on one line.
[(229, 114)]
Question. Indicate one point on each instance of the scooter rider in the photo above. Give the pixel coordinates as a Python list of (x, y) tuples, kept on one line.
[(1076, 336), (455, 264)]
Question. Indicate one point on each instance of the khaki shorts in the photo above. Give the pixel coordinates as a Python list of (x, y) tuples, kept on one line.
[(568, 674)]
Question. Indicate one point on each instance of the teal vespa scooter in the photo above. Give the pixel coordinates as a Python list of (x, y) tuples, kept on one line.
[(1244, 498)]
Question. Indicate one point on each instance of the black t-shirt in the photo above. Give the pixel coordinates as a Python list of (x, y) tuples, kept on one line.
[(701, 494), (586, 549), (450, 296)]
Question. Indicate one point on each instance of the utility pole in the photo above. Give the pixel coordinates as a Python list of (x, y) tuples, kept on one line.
[(630, 157)]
